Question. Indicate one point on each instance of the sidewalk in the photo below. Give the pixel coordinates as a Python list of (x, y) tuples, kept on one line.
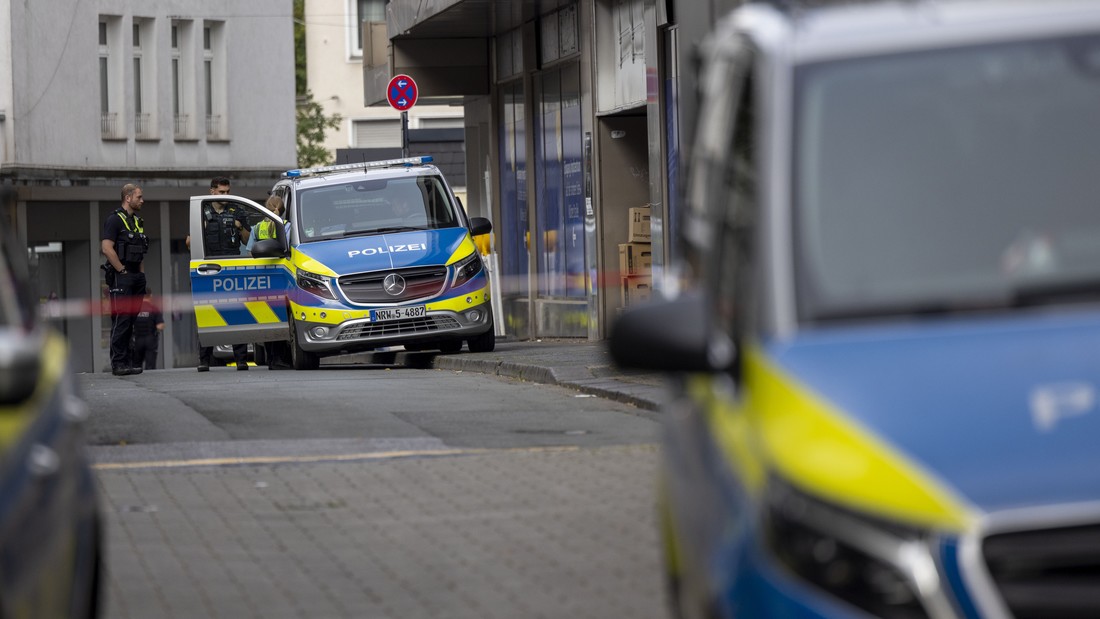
[(577, 364)]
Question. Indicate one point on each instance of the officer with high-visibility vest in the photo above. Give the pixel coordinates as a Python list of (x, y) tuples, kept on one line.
[(125, 244), (266, 228)]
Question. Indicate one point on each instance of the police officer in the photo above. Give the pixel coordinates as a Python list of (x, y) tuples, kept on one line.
[(225, 231), (147, 327), (124, 244)]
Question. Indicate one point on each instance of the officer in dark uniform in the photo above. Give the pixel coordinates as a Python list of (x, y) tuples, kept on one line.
[(124, 244), (147, 327), (225, 230)]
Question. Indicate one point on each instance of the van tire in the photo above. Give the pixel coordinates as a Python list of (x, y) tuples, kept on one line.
[(301, 359), (486, 342)]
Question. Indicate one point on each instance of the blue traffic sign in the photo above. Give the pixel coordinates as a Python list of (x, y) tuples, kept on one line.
[(401, 92)]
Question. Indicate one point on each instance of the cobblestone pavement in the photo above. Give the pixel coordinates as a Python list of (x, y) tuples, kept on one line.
[(510, 534)]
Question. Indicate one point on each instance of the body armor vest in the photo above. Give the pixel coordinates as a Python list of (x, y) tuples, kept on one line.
[(143, 324), (220, 232), (131, 244)]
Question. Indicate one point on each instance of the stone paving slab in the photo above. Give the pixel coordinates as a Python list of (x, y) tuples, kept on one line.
[(529, 533)]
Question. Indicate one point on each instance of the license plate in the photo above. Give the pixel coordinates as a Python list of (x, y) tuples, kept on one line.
[(397, 313)]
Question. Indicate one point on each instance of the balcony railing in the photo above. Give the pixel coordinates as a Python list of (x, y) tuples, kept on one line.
[(143, 125), (213, 126), (108, 124), (183, 126)]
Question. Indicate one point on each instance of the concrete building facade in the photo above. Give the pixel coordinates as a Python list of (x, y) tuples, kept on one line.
[(167, 95)]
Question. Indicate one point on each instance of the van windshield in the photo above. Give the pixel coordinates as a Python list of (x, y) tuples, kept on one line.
[(374, 206), (951, 180)]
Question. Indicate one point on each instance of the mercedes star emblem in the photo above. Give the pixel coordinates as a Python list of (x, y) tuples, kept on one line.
[(394, 284)]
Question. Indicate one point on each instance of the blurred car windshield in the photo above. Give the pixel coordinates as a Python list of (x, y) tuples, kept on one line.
[(369, 206), (948, 180)]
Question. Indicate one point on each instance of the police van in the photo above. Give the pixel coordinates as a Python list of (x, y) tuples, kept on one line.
[(886, 363), (368, 255)]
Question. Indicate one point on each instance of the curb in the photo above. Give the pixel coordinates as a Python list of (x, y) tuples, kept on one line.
[(643, 396)]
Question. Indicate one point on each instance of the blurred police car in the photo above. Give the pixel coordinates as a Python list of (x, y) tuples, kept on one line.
[(50, 550), (888, 365)]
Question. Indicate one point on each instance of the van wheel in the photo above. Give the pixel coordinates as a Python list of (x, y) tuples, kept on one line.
[(301, 359), (485, 342)]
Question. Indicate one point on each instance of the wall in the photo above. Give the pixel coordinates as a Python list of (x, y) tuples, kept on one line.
[(6, 91), (335, 76), (55, 112)]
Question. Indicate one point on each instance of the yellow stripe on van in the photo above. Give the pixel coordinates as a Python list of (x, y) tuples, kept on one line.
[(810, 443), (261, 311), (465, 248), (207, 316), (307, 263)]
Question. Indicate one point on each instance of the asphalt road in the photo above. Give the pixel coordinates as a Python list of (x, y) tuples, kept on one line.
[(372, 491)]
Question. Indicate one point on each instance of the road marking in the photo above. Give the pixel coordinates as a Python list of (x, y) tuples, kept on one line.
[(380, 455)]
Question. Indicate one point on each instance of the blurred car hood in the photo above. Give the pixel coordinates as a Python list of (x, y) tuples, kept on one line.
[(1004, 411)]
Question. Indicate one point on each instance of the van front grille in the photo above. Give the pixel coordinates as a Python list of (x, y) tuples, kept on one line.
[(1049, 572), (368, 288)]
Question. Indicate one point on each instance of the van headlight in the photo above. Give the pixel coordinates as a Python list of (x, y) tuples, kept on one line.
[(314, 284), (466, 268), (884, 568)]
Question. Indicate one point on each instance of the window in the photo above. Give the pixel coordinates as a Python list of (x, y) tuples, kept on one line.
[(558, 35), (631, 27), (440, 122), (144, 118), (110, 73), (177, 105), (214, 76), (183, 87), (509, 54), (363, 11), (376, 133), (1004, 190)]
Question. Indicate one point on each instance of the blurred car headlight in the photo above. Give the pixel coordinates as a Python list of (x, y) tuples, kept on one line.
[(467, 268), (884, 568), (315, 284)]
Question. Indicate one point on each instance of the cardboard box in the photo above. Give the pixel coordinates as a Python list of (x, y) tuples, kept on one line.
[(639, 225), (636, 289), (635, 258)]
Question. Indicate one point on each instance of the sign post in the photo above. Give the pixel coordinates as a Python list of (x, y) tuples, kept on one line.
[(401, 94)]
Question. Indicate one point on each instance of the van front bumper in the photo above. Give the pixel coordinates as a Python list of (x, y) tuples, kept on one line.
[(365, 334)]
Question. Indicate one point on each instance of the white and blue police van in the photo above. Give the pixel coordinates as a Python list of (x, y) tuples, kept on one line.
[(366, 256)]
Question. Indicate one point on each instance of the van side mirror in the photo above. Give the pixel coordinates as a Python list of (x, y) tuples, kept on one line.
[(20, 366), (268, 248), (670, 336), (479, 226)]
